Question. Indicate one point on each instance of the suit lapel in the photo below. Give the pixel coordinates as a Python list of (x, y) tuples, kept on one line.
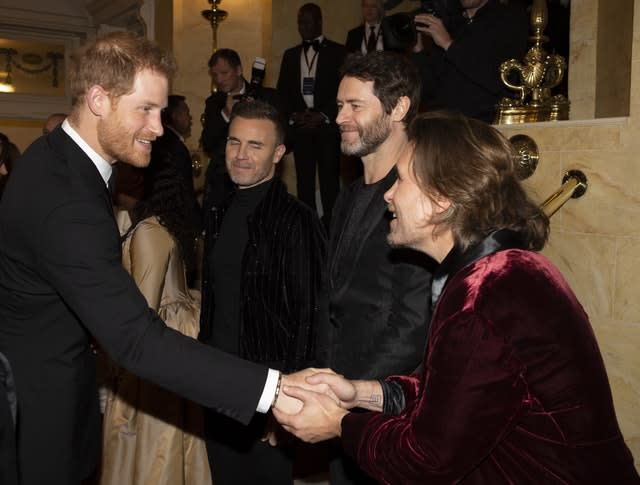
[(80, 165), (370, 221)]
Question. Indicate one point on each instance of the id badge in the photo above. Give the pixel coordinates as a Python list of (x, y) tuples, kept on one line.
[(307, 85)]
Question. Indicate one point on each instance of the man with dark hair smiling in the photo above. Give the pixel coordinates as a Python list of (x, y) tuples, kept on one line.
[(264, 264), (225, 69), (377, 294), (513, 388)]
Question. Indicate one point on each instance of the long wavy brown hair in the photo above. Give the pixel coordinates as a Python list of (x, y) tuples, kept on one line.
[(471, 164)]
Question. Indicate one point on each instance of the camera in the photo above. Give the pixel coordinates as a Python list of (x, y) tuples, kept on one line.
[(399, 29), (432, 7), (257, 78)]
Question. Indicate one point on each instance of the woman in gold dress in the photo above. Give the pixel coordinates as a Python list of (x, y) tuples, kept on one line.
[(152, 436)]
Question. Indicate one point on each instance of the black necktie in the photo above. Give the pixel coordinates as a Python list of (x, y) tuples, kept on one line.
[(372, 41), (311, 43)]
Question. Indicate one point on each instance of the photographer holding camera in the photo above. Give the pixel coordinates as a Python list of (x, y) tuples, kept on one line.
[(460, 71)]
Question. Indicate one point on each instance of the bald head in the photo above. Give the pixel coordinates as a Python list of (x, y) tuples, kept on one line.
[(52, 121)]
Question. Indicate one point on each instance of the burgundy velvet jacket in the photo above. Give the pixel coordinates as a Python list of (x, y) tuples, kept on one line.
[(513, 391)]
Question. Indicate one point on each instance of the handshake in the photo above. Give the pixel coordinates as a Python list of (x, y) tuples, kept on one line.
[(312, 402)]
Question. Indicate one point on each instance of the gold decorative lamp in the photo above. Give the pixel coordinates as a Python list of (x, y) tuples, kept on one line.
[(215, 16), (538, 73), (6, 85)]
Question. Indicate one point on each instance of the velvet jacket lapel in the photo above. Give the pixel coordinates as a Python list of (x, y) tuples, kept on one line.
[(457, 259)]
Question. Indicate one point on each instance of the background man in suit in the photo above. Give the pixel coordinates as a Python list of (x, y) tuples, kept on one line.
[(62, 281), (378, 295), (226, 71), (308, 82), (264, 261), (368, 37), (176, 120)]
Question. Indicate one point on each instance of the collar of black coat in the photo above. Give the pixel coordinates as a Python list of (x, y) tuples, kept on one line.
[(457, 259)]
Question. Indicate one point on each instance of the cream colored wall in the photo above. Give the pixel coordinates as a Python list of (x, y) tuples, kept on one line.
[(595, 240)]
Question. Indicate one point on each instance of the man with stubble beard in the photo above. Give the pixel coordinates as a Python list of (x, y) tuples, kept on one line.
[(62, 283), (378, 295)]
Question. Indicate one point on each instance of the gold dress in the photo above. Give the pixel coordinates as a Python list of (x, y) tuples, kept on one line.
[(150, 435)]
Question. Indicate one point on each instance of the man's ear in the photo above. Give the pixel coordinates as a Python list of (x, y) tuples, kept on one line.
[(401, 108), (98, 100), (279, 153)]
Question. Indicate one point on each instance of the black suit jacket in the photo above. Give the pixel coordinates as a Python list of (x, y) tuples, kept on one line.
[(281, 297), (379, 296), (355, 37), (61, 283), (330, 60)]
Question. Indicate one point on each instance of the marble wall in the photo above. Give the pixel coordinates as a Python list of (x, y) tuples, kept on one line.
[(595, 240)]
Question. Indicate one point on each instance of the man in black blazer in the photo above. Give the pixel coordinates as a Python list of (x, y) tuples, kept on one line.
[(62, 283), (368, 36), (308, 83), (176, 121), (262, 298), (225, 69), (378, 295)]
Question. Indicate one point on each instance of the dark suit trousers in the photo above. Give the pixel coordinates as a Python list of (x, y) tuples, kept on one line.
[(237, 456), (317, 147)]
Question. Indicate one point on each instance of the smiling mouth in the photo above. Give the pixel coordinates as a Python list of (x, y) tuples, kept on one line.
[(145, 142), (389, 215)]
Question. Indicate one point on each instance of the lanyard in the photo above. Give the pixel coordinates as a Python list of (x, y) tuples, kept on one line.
[(313, 60)]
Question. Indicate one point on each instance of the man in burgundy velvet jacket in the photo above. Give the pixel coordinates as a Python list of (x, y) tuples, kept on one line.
[(513, 388)]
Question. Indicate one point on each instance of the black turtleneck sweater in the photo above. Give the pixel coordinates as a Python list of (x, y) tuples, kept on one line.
[(225, 267)]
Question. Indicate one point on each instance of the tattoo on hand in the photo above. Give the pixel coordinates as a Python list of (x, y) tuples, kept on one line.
[(375, 399)]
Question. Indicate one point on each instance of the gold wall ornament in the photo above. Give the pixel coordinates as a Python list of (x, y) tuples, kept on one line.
[(574, 186), (6, 85), (215, 17), (527, 155), (538, 73)]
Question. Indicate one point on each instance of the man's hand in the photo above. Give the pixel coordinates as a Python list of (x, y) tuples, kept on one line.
[(344, 389), (274, 434), (230, 103), (352, 393), (320, 418), (291, 405), (434, 27), (314, 119), (308, 119)]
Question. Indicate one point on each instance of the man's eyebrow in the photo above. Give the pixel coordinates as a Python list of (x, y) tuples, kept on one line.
[(351, 100)]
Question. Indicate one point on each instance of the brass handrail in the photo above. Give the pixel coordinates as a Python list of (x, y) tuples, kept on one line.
[(574, 185)]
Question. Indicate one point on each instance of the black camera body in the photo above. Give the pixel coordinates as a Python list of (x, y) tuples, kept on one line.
[(400, 29), (431, 7)]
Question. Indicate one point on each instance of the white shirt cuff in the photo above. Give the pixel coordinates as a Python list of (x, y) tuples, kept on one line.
[(269, 391)]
